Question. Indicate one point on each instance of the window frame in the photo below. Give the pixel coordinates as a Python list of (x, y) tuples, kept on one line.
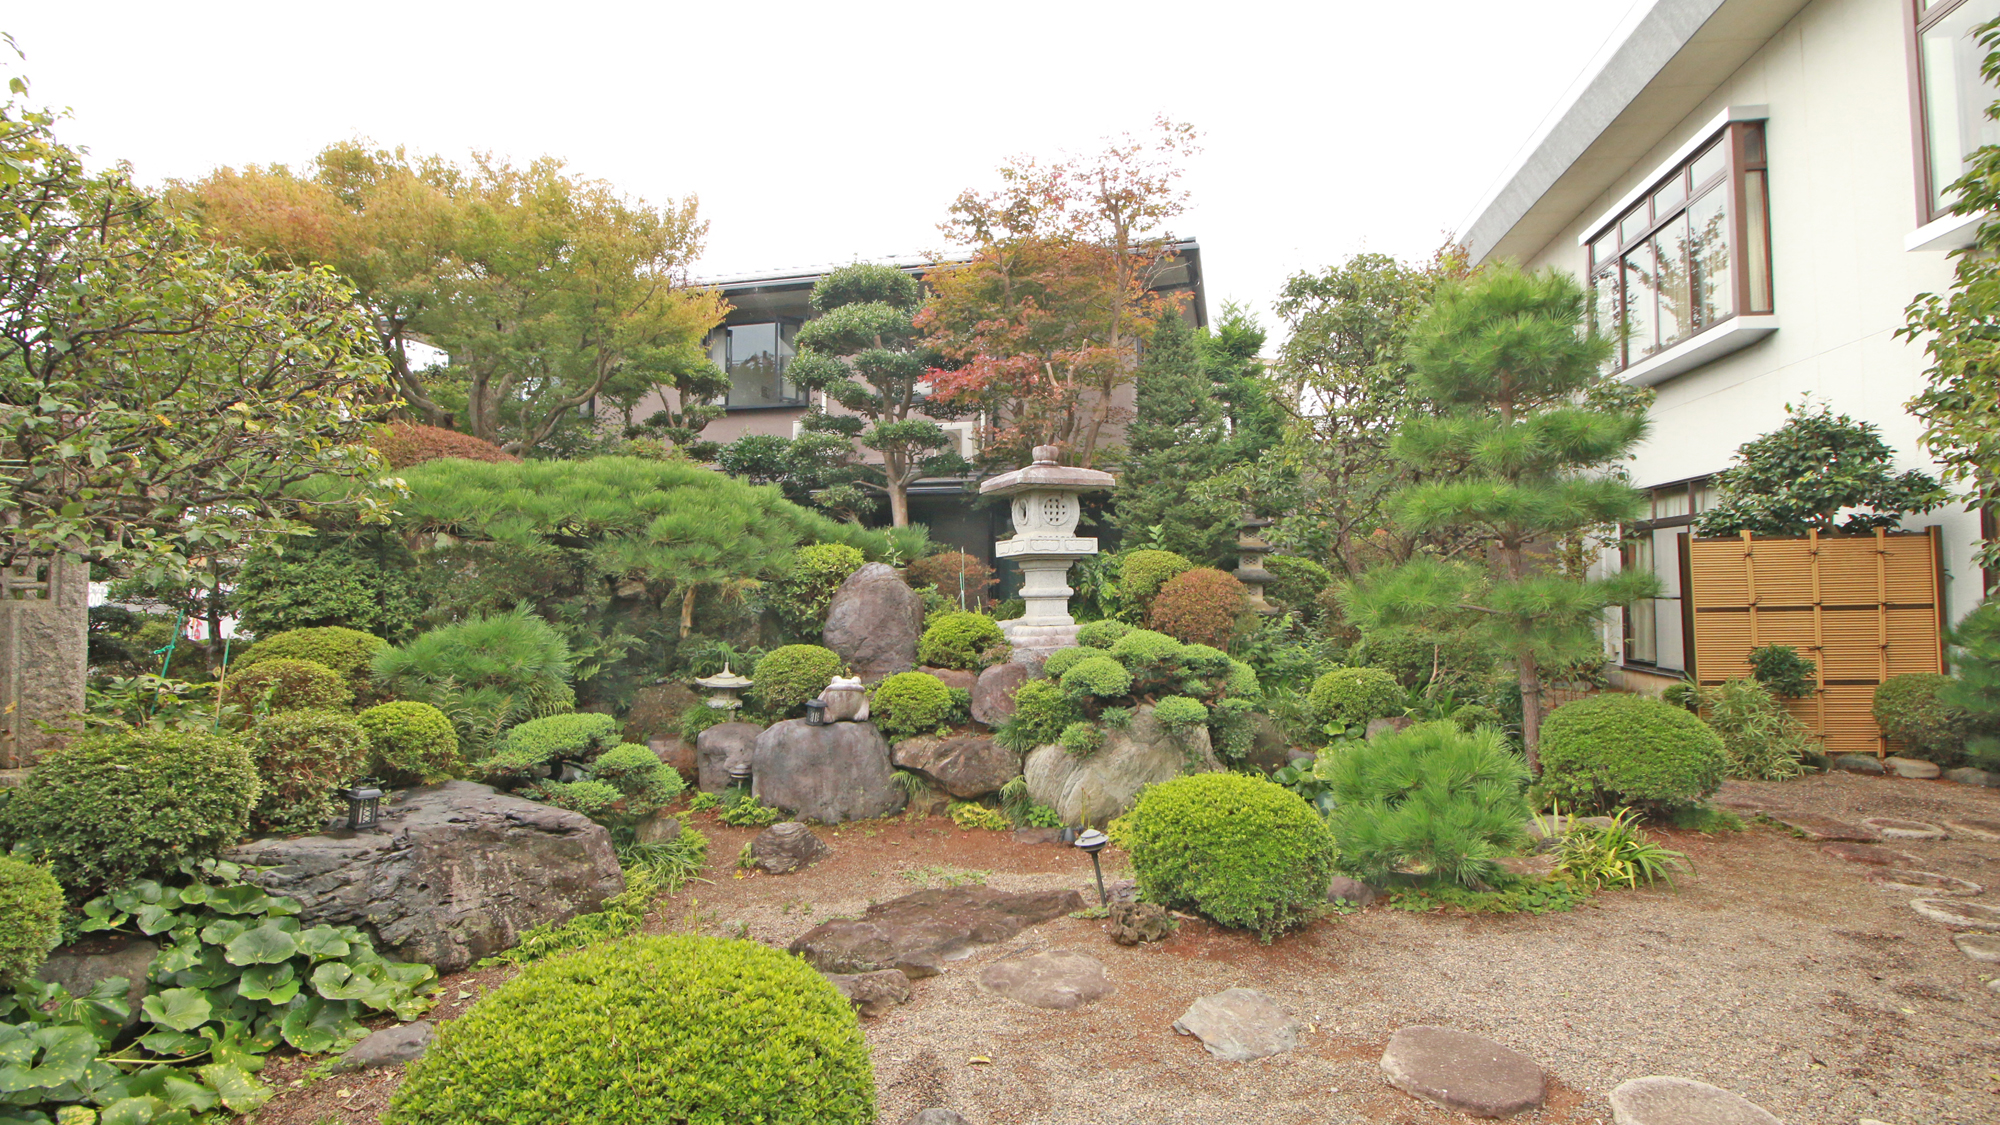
[(781, 323), (1693, 487), (1744, 144), (1919, 21)]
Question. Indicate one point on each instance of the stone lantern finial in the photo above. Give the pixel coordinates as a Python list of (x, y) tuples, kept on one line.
[(1045, 510)]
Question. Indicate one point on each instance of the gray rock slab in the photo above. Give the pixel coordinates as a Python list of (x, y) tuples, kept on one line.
[(1911, 767), (1895, 828), (1105, 784), (1461, 1071), (830, 774), (958, 678), (1976, 828), (457, 873), (719, 749), (1239, 1024), (657, 828), (1966, 775), (391, 1046), (677, 754), (1858, 763), (1060, 980), (1038, 835), (874, 621), (786, 847), (1984, 948), (1963, 915), (1815, 827), (872, 994), (1135, 923), (967, 767), (993, 694), (79, 967), (1682, 1101), (1924, 883), (918, 932), (1344, 889)]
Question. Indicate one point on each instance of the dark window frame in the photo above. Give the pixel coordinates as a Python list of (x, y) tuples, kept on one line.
[(1646, 527), (804, 400), (1920, 19)]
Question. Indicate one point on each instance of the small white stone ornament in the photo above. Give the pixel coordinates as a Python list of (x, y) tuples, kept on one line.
[(846, 700)]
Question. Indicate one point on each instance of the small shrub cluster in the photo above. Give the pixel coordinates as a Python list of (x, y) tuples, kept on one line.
[(541, 743), (1082, 739), (1781, 668), (1097, 677), (1299, 584), (802, 597), (910, 703), (1349, 697), (285, 684), (1200, 606), (486, 673), (346, 651), (404, 444), (971, 816), (303, 758), (1911, 710), (1763, 740), (1617, 749), (1472, 716), (1240, 850), (1432, 798), (1101, 634), (698, 717), (31, 909), (960, 579), (1120, 668), (788, 676), (959, 640), (1141, 574), (619, 783), (410, 741)]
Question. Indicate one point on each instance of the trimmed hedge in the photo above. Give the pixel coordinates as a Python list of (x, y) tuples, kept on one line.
[(289, 685), (1618, 749), (346, 651), (788, 676), (409, 740), (679, 1028), (909, 703), (1354, 696), (956, 640), (537, 742), (303, 758), (31, 909), (1199, 606), (1098, 676), (1240, 850), (1142, 573), (1910, 711)]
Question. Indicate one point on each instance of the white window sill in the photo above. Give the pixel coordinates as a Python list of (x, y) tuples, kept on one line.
[(1734, 334), (1949, 233)]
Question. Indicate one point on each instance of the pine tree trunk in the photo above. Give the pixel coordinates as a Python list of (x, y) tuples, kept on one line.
[(1531, 712)]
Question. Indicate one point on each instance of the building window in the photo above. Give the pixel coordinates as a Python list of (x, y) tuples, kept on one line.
[(1951, 95), (755, 357), (1656, 629), (1691, 253)]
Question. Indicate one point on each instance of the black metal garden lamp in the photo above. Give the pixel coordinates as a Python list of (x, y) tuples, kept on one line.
[(815, 712), (364, 808), (1093, 842)]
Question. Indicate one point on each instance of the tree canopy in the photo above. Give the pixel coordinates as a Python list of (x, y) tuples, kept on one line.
[(1803, 475)]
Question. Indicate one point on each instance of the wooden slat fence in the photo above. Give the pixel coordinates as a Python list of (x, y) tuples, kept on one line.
[(1864, 608)]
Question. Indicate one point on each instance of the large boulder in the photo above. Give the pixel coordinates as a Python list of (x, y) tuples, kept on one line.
[(720, 748), (874, 622), (837, 772), (675, 753), (457, 873), (966, 767), (917, 933), (993, 693), (1105, 784)]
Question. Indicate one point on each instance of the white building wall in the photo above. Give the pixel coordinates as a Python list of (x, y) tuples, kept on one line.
[(1836, 81)]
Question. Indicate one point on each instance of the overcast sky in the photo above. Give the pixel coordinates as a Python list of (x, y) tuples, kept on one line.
[(823, 132)]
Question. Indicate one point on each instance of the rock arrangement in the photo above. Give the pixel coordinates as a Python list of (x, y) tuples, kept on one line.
[(829, 773), (721, 748), (874, 621), (993, 694), (967, 767), (917, 933), (392, 1046), (1103, 786), (787, 847), (1134, 923), (872, 994), (1239, 1024)]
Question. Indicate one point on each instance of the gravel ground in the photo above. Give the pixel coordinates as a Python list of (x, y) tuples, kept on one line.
[(1774, 970)]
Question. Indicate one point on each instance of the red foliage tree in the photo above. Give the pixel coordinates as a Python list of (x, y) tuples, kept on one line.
[(404, 444), (1199, 607)]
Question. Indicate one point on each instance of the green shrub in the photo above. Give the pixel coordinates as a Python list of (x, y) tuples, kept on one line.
[(588, 796), (1207, 661), (1200, 606), (909, 703), (1763, 740), (1101, 634), (1413, 658), (410, 741), (1082, 739), (31, 913), (1232, 730), (1179, 714), (1909, 710), (303, 758), (1976, 692), (1617, 749), (365, 579), (1685, 694), (1145, 651), (1063, 659), (1299, 583), (786, 677), (805, 593), (677, 1028), (539, 742), (971, 815), (1472, 716), (118, 805), (346, 651), (1142, 573), (283, 684), (1238, 849), (1784, 671), (1432, 798), (1098, 676), (1356, 696), (487, 673), (645, 782), (1242, 681), (698, 717), (1041, 711), (956, 640)]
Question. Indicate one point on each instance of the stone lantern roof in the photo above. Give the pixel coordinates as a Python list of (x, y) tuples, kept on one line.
[(1046, 475)]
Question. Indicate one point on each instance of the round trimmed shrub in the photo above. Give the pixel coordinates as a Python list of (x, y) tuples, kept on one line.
[(805, 593), (31, 907), (1240, 850), (1909, 711), (302, 757), (1199, 607), (955, 640), (788, 676), (575, 737), (119, 805), (1082, 739), (909, 703), (346, 651), (1179, 714), (679, 1028), (404, 444), (1299, 583), (1241, 681), (1144, 648), (950, 574), (288, 685), (1098, 676), (1618, 749), (408, 740), (1101, 634), (1063, 659), (1041, 712), (1142, 573), (1353, 696), (1205, 660)]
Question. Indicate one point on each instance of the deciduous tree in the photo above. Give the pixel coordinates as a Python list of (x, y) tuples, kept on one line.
[(1803, 475)]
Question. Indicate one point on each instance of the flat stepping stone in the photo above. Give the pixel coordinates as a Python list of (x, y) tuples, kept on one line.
[(1984, 948), (1964, 915), (917, 933), (1683, 1101), (1461, 1071), (1239, 1024), (1816, 827), (1911, 767), (1060, 980), (1975, 827), (1893, 828), (1869, 853), (1924, 882)]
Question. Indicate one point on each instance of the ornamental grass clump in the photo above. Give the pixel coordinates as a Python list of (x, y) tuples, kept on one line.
[(1433, 799), (788, 676), (1240, 850), (1618, 749), (677, 1028), (1763, 740)]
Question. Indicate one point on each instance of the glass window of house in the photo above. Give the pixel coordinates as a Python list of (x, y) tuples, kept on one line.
[(1952, 95), (755, 357), (1656, 629)]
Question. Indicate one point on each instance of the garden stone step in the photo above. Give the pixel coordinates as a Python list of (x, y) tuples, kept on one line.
[(1984, 948), (1239, 1024), (1816, 827), (1858, 763), (1894, 828), (1964, 915), (1461, 1071), (1682, 1101), (1924, 882), (1912, 767), (1975, 827), (1868, 853), (1966, 775), (919, 931), (1060, 979)]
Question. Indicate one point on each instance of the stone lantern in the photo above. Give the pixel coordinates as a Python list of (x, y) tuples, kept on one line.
[(1044, 544), (1250, 551)]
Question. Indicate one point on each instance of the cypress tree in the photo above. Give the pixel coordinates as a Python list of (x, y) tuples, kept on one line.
[(1178, 438)]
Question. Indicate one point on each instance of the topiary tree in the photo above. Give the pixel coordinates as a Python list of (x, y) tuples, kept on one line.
[(284, 684), (1200, 606), (1141, 574), (1803, 475), (1618, 749), (346, 651), (1356, 697), (118, 805), (909, 703), (302, 757), (673, 1028), (1096, 677), (410, 741), (806, 591), (1240, 850), (958, 577), (487, 673), (31, 917), (539, 745), (959, 640), (1434, 798), (1911, 709), (788, 676)]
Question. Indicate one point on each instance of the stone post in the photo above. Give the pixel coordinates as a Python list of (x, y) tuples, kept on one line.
[(1250, 551), (1044, 544), (44, 637)]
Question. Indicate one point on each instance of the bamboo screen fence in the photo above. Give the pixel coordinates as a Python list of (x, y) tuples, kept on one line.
[(1864, 608)]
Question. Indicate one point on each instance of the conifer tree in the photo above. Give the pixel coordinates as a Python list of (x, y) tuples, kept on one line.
[(1538, 431), (1178, 437)]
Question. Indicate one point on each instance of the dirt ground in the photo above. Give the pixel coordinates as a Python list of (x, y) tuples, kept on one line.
[(1774, 969)]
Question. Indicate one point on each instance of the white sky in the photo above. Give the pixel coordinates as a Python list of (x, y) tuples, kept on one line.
[(822, 132)]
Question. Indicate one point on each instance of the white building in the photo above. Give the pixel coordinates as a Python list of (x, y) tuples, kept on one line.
[(1754, 186)]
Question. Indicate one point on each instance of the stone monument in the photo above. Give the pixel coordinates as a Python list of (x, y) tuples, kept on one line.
[(1250, 551), (44, 630), (1044, 544)]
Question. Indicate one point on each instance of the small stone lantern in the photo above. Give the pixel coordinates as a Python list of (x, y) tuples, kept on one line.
[(727, 686), (1250, 551), (1044, 544)]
